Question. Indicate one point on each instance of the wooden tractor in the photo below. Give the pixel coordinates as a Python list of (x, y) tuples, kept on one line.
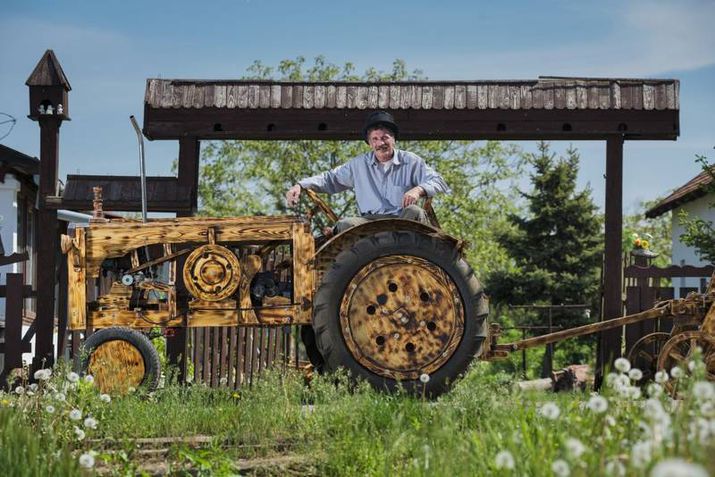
[(392, 300)]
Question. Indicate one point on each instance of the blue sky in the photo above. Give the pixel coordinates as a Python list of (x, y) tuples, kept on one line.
[(109, 48)]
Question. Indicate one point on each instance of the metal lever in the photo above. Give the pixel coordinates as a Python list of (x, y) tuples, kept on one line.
[(140, 138)]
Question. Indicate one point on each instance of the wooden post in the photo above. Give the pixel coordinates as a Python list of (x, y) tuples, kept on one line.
[(188, 179), (610, 341), (62, 303), (13, 324)]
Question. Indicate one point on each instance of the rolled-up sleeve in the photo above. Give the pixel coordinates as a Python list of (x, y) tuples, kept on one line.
[(429, 179), (335, 180)]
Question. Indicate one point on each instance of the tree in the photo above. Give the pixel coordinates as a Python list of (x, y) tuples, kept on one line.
[(556, 248), (700, 233), (251, 177)]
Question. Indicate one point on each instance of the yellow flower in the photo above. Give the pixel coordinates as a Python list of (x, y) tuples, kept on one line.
[(235, 395), (5, 402), (644, 244)]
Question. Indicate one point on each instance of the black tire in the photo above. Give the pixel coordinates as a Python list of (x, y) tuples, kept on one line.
[(307, 335), (142, 344), (326, 320)]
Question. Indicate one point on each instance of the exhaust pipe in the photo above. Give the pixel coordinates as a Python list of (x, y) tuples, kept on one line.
[(140, 138)]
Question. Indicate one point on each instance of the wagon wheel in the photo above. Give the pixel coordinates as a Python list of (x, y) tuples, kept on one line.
[(120, 359), (681, 347), (397, 306), (644, 354)]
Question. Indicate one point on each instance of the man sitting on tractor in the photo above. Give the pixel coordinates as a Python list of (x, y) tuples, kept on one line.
[(387, 181)]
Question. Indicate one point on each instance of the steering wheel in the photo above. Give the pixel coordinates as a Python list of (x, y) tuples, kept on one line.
[(320, 204)]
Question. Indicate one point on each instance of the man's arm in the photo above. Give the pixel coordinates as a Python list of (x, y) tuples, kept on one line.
[(330, 182), (429, 180)]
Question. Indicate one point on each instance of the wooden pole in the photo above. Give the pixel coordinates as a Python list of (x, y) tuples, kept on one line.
[(610, 341), (46, 233), (13, 324), (188, 179)]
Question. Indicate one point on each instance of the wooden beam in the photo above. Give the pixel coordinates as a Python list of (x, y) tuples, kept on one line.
[(337, 124), (610, 341), (13, 324), (188, 170)]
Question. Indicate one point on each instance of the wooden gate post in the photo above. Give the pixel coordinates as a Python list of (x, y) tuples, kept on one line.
[(13, 325)]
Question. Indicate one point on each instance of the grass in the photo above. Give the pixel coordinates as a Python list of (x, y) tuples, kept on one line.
[(336, 428)]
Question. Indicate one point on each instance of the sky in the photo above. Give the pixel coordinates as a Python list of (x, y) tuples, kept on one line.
[(108, 49)]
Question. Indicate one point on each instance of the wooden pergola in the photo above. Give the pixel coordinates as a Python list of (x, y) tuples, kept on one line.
[(550, 108)]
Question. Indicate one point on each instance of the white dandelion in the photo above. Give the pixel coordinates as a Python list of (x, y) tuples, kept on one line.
[(597, 404), (50, 409), (641, 454), (43, 374), (90, 423), (704, 390), (19, 390), (32, 387), (89, 379), (615, 468), (550, 411), (677, 372), (635, 374), (60, 397), (79, 433), (654, 390), (678, 468), (72, 377), (424, 378), (75, 414), (560, 468), (622, 365), (504, 460), (105, 398), (86, 460), (575, 447), (223, 381), (661, 377)]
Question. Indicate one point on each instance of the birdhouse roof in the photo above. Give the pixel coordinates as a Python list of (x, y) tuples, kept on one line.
[(48, 72)]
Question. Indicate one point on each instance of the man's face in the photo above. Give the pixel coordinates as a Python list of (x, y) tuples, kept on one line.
[(382, 142)]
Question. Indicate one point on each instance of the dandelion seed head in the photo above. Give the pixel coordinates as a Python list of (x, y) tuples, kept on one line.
[(661, 377), (504, 460), (32, 387), (75, 414), (678, 468), (105, 398), (19, 390), (549, 410), (89, 379), (622, 365), (50, 409), (704, 390), (597, 404), (43, 374), (424, 378), (72, 377), (677, 373), (223, 381), (654, 390), (79, 433), (60, 397), (86, 460), (560, 468), (707, 408), (614, 468), (641, 454), (90, 423), (635, 374), (575, 447), (633, 392)]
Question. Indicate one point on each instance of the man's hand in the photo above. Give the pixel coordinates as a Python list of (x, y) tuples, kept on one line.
[(292, 195), (412, 196)]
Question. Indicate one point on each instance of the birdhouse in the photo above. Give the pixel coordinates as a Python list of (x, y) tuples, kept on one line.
[(49, 89)]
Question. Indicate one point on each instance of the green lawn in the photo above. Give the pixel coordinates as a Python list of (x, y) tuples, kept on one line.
[(281, 426)]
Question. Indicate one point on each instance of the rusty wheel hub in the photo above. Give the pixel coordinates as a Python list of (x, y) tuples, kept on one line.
[(212, 272), (402, 316)]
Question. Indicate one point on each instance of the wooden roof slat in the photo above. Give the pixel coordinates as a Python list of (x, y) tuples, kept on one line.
[(330, 99), (460, 96), (648, 97), (383, 96), (362, 100), (48, 72)]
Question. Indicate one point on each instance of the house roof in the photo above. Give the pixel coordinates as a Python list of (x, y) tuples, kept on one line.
[(542, 93), (693, 189), (12, 160)]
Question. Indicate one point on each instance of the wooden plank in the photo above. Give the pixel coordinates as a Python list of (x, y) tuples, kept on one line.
[(549, 97), (560, 98), (449, 97), (242, 96), (665, 293), (615, 95), (308, 96), (383, 96), (319, 96), (275, 96), (206, 357), (254, 96), (527, 99), (437, 97), (660, 97), (648, 97), (196, 345), (394, 97), (361, 101), (372, 97), (304, 276), (133, 319), (460, 96), (198, 97), (232, 368), (672, 271), (406, 97), (261, 349), (351, 96), (670, 96), (13, 323), (220, 96), (209, 94), (330, 96), (286, 96), (504, 100), (341, 97), (426, 97), (77, 282), (298, 96), (215, 357), (232, 96), (604, 97), (240, 356), (472, 99), (224, 352), (571, 101), (626, 96)]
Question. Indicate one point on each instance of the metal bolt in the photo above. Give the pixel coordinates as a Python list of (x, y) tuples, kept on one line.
[(423, 323), (396, 336)]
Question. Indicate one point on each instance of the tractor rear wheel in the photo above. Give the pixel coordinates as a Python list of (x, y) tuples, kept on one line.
[(401, 309), (120, 359)]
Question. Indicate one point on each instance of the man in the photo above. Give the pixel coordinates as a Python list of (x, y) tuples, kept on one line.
[(388, 182)]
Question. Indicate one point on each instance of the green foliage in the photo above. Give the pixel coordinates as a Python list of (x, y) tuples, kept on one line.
[(657, 231), (556, 249), (251, 177), (700, 233)]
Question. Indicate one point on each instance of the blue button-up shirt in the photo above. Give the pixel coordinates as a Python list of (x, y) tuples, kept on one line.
[(378, 189)]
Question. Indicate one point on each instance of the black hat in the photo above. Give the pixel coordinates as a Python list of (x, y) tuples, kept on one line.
[(380, 118)]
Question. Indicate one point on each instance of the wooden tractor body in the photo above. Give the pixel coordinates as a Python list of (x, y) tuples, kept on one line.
[(393, 301)]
